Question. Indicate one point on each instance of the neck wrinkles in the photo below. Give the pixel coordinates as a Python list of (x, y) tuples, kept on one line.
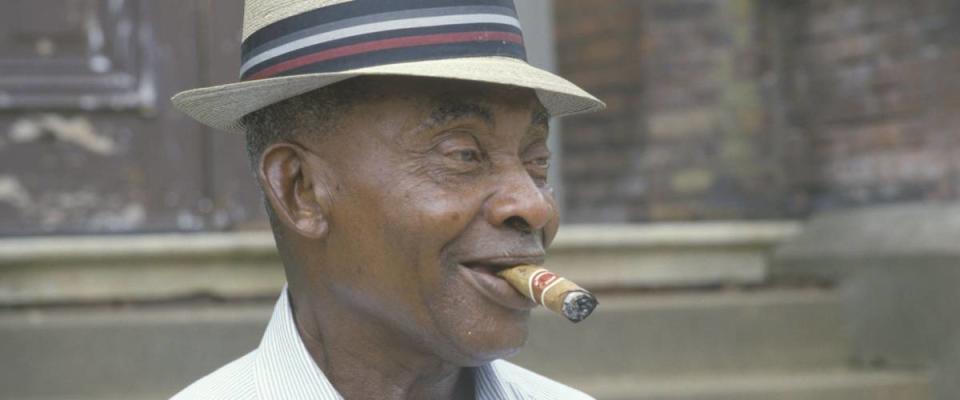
[(361, 362)]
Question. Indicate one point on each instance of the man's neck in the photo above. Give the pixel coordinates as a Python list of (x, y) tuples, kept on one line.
[(361, 363)]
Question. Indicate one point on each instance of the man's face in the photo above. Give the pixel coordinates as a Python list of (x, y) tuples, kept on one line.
[(438, 184)]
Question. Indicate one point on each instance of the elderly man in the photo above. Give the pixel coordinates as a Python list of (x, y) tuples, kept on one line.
[(402, 151)]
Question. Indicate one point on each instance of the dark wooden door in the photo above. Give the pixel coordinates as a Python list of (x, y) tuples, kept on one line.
[(89, 142)]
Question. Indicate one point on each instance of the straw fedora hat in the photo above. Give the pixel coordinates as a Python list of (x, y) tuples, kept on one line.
[(291, 47)]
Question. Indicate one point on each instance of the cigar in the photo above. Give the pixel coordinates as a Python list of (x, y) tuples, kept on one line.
[(549, 290)]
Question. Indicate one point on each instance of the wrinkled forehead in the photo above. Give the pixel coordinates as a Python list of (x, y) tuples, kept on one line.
[(450, 97)]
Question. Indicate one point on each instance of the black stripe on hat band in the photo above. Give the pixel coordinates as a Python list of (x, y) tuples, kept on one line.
[(355, 9), (512, 52)]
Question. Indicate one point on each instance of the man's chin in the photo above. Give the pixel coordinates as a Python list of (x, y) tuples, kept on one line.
[(480, 359), (482, 346), (476, 322)]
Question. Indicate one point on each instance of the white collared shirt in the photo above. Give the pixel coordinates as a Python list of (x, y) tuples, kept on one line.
[(281, 368)]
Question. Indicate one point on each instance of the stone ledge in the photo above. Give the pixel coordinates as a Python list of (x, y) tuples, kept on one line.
[(905, 236), (670, 235), (137, 267), (245, 264), (668, 255), (58, 250)]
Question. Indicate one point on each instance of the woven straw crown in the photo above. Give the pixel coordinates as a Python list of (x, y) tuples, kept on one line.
[(260, 13), (291, 47)]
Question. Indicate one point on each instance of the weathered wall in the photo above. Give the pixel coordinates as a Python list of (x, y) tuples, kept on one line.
[(596, 48), (687, 135), (89, 142), (759, 109), (737, 109), (874, 87)]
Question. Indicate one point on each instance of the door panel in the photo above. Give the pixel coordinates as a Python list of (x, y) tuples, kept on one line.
[(236, 200), (88, 140)]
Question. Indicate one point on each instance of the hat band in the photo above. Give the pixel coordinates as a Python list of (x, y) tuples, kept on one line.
[(366, 33)]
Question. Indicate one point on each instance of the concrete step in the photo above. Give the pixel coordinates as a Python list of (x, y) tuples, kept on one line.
[(666, 334), (826, 385), (107, 352), (122, 353)]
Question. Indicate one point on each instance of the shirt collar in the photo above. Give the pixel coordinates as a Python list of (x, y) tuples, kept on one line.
[(491, 385), (285, 370)]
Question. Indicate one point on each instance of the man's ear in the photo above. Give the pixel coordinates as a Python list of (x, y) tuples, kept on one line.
[(292, 185)]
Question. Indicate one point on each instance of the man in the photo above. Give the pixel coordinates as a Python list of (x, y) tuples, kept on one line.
[(401, 149)]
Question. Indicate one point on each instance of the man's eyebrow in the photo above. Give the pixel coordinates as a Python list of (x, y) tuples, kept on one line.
[(452, 111)]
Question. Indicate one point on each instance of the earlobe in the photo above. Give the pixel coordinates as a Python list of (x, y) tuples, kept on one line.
[(291, 186)]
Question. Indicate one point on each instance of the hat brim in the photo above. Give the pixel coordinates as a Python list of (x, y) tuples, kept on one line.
[(224, 106)]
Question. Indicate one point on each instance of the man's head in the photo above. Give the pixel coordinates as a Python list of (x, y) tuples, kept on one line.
[(395, 198)]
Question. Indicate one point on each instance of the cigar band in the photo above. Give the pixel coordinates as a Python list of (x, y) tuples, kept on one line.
[(540, 282)]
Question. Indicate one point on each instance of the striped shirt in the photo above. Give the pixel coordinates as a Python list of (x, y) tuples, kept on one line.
[(282, 368)]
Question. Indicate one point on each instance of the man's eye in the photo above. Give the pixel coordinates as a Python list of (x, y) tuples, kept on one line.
[(461, 148), (543, 162), (468, 155)]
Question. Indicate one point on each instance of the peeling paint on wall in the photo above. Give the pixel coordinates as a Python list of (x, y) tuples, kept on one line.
[(77, 130), (130, 217), (189, 221), (13, 193)]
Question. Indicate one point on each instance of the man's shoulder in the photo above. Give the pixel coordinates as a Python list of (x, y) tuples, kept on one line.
[(234, 381), (536, 386)]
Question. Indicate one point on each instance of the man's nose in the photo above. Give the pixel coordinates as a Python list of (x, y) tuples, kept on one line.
[(520, 204)]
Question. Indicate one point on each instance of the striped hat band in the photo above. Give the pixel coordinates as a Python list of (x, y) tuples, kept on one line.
[(365, 33)]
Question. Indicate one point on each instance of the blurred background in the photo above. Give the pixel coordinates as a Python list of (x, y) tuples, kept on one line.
[(767, 209)]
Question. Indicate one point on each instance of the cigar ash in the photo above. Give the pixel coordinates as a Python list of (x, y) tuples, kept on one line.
[(577, 305), (550, 290)]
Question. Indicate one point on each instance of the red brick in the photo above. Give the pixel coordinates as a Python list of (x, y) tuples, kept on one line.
[(856, 103)]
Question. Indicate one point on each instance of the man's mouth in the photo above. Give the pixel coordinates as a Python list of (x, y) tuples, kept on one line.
[(496, 264), (482, 274), (484, 269)]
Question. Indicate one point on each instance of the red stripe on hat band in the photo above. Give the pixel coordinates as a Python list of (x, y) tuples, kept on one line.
[(395, 43)]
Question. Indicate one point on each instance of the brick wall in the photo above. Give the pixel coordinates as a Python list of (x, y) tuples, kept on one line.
[(684, 137), (749, 109), (597, 46), (875, 87)]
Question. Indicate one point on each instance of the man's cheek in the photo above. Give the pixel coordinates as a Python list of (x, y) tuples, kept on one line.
[(444, 216), (550, 231)]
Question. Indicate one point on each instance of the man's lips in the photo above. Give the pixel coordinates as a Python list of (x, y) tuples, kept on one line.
[(503, 262), (481, 273)]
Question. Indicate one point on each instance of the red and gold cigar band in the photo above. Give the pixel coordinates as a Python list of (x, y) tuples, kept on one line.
[(551, 291), (540, 282)]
